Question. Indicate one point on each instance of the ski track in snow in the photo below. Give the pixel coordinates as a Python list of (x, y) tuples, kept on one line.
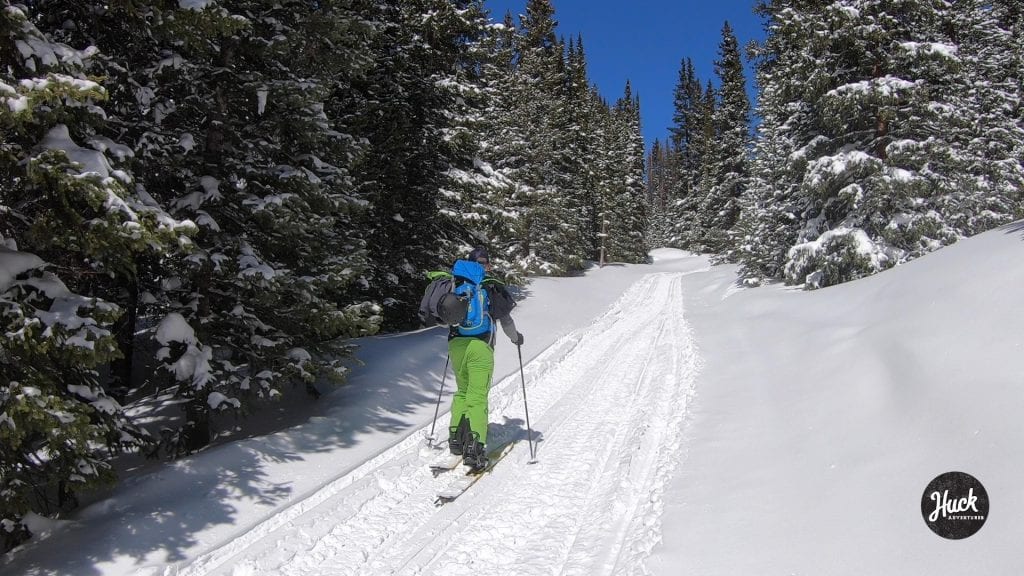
[(607, 404)]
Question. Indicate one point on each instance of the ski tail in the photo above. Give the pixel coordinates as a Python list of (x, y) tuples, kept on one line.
[(463, 483)]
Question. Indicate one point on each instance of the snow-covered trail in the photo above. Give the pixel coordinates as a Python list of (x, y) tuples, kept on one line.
[(607, 404)]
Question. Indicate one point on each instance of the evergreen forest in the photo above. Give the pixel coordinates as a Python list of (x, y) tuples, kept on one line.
[(213, 198)]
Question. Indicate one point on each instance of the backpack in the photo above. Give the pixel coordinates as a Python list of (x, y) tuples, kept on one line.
[(457, 299), (469, 278)]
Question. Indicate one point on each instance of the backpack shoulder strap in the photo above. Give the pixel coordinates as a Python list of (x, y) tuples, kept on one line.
[(438, 274)]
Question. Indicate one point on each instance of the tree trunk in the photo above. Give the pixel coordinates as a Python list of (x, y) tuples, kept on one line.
[(882, 125), (196, 433), (121, 369)]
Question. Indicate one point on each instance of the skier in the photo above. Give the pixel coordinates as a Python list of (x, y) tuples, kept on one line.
[(472, 358)]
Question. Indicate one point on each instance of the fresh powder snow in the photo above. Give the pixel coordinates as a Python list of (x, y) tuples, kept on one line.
[(683, 424)]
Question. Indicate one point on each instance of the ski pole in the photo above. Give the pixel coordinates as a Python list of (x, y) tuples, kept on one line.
[(526, 406), (430, 438)]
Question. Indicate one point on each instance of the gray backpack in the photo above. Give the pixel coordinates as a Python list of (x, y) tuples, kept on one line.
[(440, 304)]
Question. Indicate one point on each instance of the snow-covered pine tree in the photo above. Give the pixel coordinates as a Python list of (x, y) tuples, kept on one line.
[(73, 224), (504, 146), (660, 183), (228, 109), (422, 173), (871, 98), (697, 205), (696, 172), (399, 109), (476, 197), (579, 185), (990, 56), (546, 229), (771, 208), (1011, 16), (623, 205), (550, 139), (721, 206), (687, 142)]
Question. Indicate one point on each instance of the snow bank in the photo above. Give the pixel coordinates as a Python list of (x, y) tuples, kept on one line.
[(822, 416)]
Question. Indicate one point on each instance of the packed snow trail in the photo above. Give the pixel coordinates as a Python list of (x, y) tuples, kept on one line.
[(606, 403)]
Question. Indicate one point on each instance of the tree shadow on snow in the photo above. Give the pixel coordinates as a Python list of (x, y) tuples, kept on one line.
[(1014, 228), (520, 293), (151, 525), (153, 516)]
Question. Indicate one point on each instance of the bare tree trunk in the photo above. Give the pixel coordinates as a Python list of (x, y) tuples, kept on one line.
[(121, 369), (882, 125)]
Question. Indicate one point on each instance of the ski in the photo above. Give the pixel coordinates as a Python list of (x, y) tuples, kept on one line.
[(445, 463), (463, 483)]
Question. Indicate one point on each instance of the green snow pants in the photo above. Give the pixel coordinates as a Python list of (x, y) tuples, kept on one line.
[(473, 363)]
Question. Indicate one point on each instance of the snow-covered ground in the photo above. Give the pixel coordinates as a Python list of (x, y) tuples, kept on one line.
[(683, 426)]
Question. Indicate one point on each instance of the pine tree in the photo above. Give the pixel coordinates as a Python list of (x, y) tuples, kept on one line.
[(721, 207), (773, 207), (623, 206), (74, 223), (504, 146), (541, 93), (879, 133), (661, 171), (699, 207), (476, 198), (994, 139), (229, 113), (579, 149), (423, 175), (687, 142)]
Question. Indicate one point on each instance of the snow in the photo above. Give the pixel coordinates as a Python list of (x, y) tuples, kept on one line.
[(928, 48), (261, 100), (13, 263), (49, 53), (211, 186), (17, 105), (195, 4), (174, 328), (194, 363), (58, 138), (187, 141), (825, 168), (250, 265), (104, 144), (683, 426), (215, 399), (886, 86)]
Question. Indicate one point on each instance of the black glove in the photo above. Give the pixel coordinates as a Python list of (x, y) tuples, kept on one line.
[(519, 339)]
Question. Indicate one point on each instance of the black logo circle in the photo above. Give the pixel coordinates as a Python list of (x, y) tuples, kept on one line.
[(955, 505)]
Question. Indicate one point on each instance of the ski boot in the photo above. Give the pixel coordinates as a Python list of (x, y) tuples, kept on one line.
[(457, 437), (475, 456)]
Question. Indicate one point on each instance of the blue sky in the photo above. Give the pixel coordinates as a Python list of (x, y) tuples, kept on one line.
[(644, 41)]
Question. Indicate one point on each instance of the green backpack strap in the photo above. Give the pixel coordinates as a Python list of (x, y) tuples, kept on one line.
[(438, 274)]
